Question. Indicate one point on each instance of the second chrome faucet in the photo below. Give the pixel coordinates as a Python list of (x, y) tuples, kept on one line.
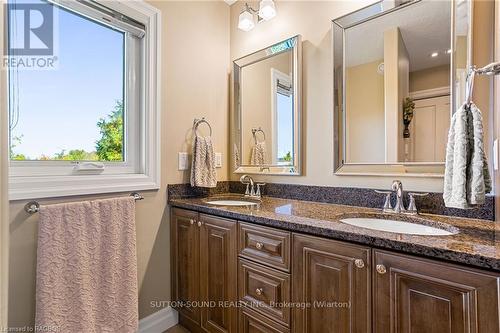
[(397, 188)]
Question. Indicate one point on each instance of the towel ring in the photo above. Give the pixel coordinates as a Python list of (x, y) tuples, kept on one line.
[(254, 133), (197, 123)]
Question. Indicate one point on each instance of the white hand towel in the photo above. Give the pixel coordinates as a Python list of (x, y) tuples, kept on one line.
[(203, 173), (467, 178), (258, 154)]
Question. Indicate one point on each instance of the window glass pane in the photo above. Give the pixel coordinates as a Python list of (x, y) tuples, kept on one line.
[(285, 129), (73, 111)]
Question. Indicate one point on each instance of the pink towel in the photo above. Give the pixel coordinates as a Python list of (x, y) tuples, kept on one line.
[(87, 267)]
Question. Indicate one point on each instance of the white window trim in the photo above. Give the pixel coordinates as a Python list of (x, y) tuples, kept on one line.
[(24, 187)]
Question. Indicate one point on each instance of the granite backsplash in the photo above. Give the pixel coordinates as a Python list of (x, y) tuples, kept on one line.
[(362, 197)]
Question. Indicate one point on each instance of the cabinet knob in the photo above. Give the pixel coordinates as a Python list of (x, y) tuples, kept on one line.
[(200, 223), (381, 269), (191, 221), (259, 245), (259, 291), (359, 263)]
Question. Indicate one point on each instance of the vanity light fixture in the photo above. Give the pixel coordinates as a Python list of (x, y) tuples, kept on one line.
[(246, 20), (267, 10), (434, 54)]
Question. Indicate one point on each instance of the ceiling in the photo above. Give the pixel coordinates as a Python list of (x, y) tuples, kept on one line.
[(425, 28)]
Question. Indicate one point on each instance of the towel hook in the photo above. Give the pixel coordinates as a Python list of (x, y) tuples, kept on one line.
[(490, 69), (197, 123), (255, 131), (469, 85)]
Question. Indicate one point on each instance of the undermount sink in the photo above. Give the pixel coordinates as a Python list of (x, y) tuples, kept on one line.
[(229, 202), (402, 227)]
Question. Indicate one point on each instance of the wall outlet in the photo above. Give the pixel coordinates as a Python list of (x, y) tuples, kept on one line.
[(183, 161), (218, 160)]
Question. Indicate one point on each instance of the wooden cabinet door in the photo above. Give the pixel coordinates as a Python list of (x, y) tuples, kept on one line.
[(332, 281), (218, 274), (185, 249), (253, 322), (424, 296)]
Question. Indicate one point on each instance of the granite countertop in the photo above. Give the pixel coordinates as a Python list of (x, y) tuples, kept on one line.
[(477, 244)]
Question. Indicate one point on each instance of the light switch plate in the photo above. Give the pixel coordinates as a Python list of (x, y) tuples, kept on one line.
[(218, 160), (183, 161)]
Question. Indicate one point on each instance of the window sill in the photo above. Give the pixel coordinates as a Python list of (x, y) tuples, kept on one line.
[(21, 188)]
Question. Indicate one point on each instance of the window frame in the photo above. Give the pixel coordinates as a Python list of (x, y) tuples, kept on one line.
[(141, 168)]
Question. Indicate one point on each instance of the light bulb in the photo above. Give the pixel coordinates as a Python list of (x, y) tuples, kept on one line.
[(267, 10), (246, 21)]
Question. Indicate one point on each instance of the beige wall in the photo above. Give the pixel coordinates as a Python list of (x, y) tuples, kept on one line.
[(365, 125), (430, 78), (312, 19), (256, 101), (483, 45), (195, 40)]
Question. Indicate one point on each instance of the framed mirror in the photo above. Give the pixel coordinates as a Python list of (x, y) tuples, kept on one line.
[(399, 72), (267, 110)]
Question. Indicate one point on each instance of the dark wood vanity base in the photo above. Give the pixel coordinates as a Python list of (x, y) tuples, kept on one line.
[(234, 275)]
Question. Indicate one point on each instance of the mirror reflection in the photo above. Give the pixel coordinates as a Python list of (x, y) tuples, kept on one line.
[(397, 85), (267, 110)]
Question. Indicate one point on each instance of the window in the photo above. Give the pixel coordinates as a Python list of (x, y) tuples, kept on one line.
[(83, 104), (282, 106)]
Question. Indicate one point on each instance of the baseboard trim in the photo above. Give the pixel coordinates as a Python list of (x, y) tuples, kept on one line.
[(159, 321)]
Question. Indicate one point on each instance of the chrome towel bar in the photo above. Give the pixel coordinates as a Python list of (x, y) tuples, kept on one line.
[(33, 207)]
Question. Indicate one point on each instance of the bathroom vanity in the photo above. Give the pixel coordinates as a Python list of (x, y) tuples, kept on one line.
[(284, 265), (291, 266)]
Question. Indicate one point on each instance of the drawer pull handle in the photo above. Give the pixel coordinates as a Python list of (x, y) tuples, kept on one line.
[(199, 223), (259, 291), (259, 245), (381, 269), (359, 263), (191, 221)]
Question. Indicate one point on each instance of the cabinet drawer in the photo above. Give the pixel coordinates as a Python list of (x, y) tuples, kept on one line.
[(252, 322), (265, 245), (265, 289)]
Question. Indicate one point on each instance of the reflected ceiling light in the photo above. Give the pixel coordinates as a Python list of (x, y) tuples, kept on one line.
[(434, 54), (246, 20), (448, 51), (267, 10)]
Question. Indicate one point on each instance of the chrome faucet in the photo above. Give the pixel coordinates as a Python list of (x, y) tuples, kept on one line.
[(250, 190), (399, 208), (397, 187)]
